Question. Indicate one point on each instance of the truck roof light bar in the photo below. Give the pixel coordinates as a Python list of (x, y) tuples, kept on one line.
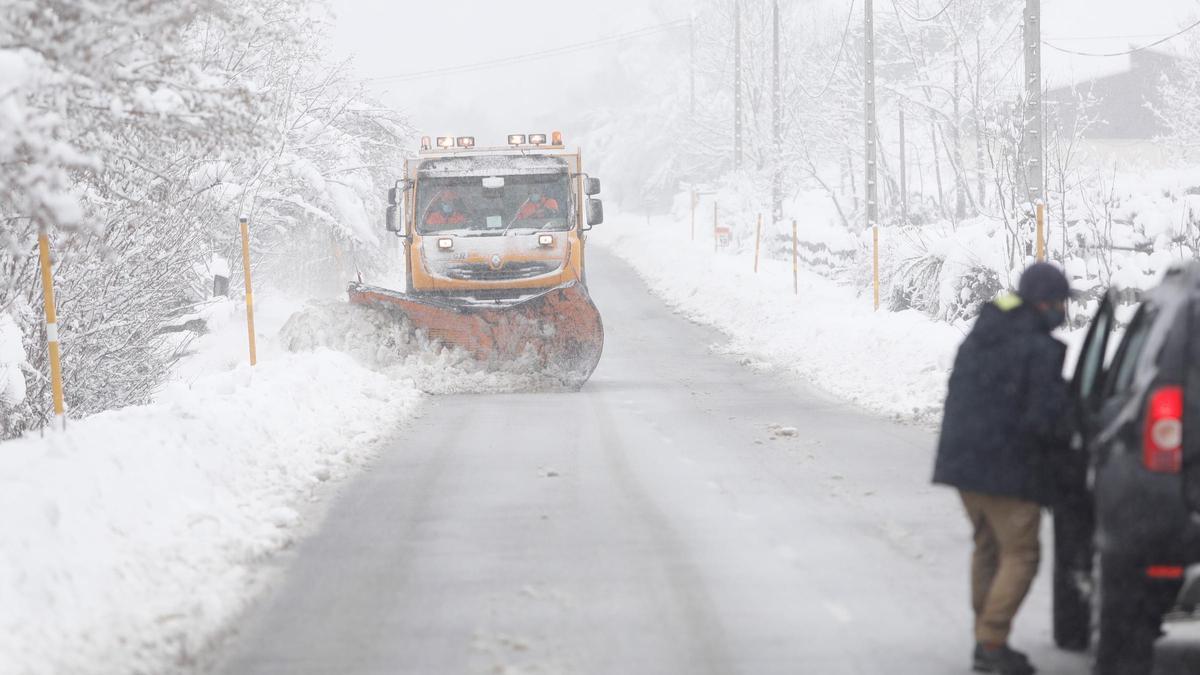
[(466, 141), (426, 143), (445, 141), (516, 139), (537, 139)]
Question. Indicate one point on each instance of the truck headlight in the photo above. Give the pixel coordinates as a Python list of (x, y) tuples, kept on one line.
[(546, 240), (445, 243)]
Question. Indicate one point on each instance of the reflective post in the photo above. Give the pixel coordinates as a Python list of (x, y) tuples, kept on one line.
[(875, 263), (1041, 232), (694, 198), (56, 384), (757, 238), (245, 224), (714, 226), (795, 263)]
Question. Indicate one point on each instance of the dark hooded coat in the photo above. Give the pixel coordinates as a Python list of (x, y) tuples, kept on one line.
[(1006, 406)]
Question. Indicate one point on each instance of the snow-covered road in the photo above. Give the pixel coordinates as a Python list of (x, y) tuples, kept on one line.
[(681, 514)]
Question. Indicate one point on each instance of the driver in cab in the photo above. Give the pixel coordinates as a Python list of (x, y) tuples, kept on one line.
[(538, 206), (445, 211)]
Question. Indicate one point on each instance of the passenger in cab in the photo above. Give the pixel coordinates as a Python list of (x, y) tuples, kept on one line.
[(445, 211), (538, 206)]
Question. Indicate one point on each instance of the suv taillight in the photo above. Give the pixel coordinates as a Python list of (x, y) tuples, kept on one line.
[(1162, 448)]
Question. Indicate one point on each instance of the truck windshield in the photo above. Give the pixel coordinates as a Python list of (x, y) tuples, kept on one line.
[(528, 202)]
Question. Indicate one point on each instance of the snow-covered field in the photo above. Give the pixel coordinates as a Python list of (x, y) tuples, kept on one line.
[(828, 335), (129, 539)]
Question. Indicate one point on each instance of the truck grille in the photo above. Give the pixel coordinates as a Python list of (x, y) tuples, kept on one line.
[(514, 270)]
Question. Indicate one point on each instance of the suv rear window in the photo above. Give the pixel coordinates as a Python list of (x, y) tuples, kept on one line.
[(1124, 365)]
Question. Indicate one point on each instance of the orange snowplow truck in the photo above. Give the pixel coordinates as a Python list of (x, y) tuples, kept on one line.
[(494, 242)]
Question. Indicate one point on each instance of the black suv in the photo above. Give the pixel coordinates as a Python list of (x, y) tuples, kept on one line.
[(1127, 526)]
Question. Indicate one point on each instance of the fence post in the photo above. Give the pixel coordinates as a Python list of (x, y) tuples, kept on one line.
[(757, 238), (875, 264), (56, 384), (795, 264), (245, 225)]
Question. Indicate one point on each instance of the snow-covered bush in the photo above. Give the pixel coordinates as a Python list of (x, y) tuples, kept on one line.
[(12, 360)]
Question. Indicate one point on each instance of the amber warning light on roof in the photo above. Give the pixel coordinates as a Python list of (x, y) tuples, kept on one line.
[(428, 143)]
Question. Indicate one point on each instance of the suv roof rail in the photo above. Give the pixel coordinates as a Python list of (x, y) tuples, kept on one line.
[(1184, 272)]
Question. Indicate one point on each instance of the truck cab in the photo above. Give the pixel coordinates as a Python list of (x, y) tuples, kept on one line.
[(494, 222)]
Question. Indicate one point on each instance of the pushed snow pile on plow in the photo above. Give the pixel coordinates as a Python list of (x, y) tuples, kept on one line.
[(384, 337), (556, 334)]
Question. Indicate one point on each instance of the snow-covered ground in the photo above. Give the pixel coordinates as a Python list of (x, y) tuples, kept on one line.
[(132, 539), (129, 539), (827, 334)]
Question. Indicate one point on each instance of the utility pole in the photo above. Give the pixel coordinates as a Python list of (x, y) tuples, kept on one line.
[(869, 114), (737, 85), (903, 172), (692, 64), (1032, 148), (869, 128), (960, 182), (776, 120)]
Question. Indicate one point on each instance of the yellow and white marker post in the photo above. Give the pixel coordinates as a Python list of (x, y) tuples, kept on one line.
[(715, 238), (245, 223), (875, 263), (757, 238), (695, 198), (795, 263), (1041, 232), (56, 384)]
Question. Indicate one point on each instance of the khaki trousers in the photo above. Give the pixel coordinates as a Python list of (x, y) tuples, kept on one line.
[(1005, 561)]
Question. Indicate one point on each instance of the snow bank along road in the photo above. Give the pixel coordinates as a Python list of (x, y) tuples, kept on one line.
[(682, 514)]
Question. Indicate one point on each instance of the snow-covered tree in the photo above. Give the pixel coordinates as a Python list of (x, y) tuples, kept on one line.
[(133, 133)]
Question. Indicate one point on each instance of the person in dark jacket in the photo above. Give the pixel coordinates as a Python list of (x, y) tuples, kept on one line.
[(1005, 412)]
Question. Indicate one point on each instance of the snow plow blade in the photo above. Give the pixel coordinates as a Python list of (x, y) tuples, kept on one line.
[(557, 332)]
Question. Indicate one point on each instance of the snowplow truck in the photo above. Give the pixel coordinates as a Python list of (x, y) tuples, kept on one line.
[(494, 242)]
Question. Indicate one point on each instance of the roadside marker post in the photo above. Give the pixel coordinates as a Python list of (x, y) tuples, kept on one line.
[(795, 263), (715, 237), (875, 264), (1041, 232), (245, 225), (757, 238), (695, 198), (56, 383)]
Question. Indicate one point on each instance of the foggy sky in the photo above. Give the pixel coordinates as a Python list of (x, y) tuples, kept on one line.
[(393, 38), (390, 38)]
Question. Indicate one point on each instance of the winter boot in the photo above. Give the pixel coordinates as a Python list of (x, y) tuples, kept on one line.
[(1002, 660)]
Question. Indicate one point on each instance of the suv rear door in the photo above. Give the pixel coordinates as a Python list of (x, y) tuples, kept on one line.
[(1087, 386), (1191, 404)]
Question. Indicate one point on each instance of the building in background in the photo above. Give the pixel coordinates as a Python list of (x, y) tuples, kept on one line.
[(1115, 113)]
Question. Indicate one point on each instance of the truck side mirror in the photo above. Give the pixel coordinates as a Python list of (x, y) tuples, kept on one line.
[(591, 186), (394, 219), (595, 212)]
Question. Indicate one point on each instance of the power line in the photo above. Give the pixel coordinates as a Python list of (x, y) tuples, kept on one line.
[(533, 56), (1126, 52), (837, 62), (914, 17), (1102, 37)]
